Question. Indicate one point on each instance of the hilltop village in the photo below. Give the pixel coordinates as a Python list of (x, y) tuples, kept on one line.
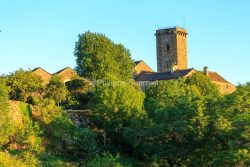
[(172, 63), (135, 116)]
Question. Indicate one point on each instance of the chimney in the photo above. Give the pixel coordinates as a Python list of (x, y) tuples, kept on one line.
[(174, 67), (205, 70)]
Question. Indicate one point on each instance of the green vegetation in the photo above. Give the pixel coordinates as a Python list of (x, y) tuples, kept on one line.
[(5, 129), (8, 160), (24, 85), (106, 160), (97, 57), (56, 90), (79, 93), (185, 122)]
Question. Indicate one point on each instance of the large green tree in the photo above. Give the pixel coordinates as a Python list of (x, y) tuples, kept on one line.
[(204, 84), (177, 123), (232, 129), (98, 57), (56, 90), (24, 84), (79, 93), (114, 104)]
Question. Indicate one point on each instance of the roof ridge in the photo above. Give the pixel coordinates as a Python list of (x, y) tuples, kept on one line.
[(217, 78), (139, 61), (36, 68), (178, 70), (63, 70)]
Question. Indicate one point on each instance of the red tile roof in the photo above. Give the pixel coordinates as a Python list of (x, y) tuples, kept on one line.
[(214, 76)]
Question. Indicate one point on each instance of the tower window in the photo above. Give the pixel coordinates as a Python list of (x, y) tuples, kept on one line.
[(168, 47)]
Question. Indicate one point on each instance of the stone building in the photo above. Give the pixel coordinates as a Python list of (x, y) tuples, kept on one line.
[(66, 74), (172, 62), (224, 86), (141, 66), (171, 49), (45, 76)]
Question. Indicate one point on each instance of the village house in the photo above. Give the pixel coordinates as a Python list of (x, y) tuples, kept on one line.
[(172, 63), (65, 74)]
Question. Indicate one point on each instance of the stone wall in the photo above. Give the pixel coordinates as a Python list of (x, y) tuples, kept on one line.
[(225, 88), (181, 49), (67, 74), (15, 112), (140, 68), (171, 48), (45, 76)]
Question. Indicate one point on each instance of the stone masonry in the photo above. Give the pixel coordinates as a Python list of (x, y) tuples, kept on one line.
[(171, 48)]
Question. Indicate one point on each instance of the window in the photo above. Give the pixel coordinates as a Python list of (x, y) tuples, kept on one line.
[(168, 47)]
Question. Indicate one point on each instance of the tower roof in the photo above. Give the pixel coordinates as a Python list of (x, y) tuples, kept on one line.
[(171, 27)]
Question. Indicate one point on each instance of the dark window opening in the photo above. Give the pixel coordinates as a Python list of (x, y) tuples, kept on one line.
[(168, 47)]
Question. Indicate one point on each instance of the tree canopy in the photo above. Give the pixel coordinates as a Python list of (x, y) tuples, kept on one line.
[(56, 90), (97, 57), (23, 84)]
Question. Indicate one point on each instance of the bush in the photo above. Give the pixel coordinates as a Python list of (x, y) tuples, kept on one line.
[(6, 160), (106, 160)]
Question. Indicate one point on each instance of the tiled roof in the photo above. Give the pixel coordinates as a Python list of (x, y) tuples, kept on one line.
[(141, 61), (37, 68), (214, 76), (43, 74), (149, 76), (58, 72)]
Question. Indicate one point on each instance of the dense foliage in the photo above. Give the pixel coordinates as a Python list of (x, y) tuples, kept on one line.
[(97, 57), (56, 90), (4, 113), (114, 103), (79, 93), (184, 122), (24, 85)]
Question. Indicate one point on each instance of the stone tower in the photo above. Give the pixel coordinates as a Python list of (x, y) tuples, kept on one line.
[(171, 47)]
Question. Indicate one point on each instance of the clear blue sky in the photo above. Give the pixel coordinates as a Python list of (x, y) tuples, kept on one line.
[(43, 33)]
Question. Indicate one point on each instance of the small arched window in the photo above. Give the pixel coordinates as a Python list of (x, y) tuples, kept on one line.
[(168, 47)]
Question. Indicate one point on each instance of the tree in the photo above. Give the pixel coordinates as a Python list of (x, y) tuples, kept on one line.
[(85, 143), (49, 111), (24, 84), (97, 57), (114, 103), (204, 84), (232, 123), (56, 90), (8, 160), (106, 160), (79, 93), (178, 125), (59, 132)]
